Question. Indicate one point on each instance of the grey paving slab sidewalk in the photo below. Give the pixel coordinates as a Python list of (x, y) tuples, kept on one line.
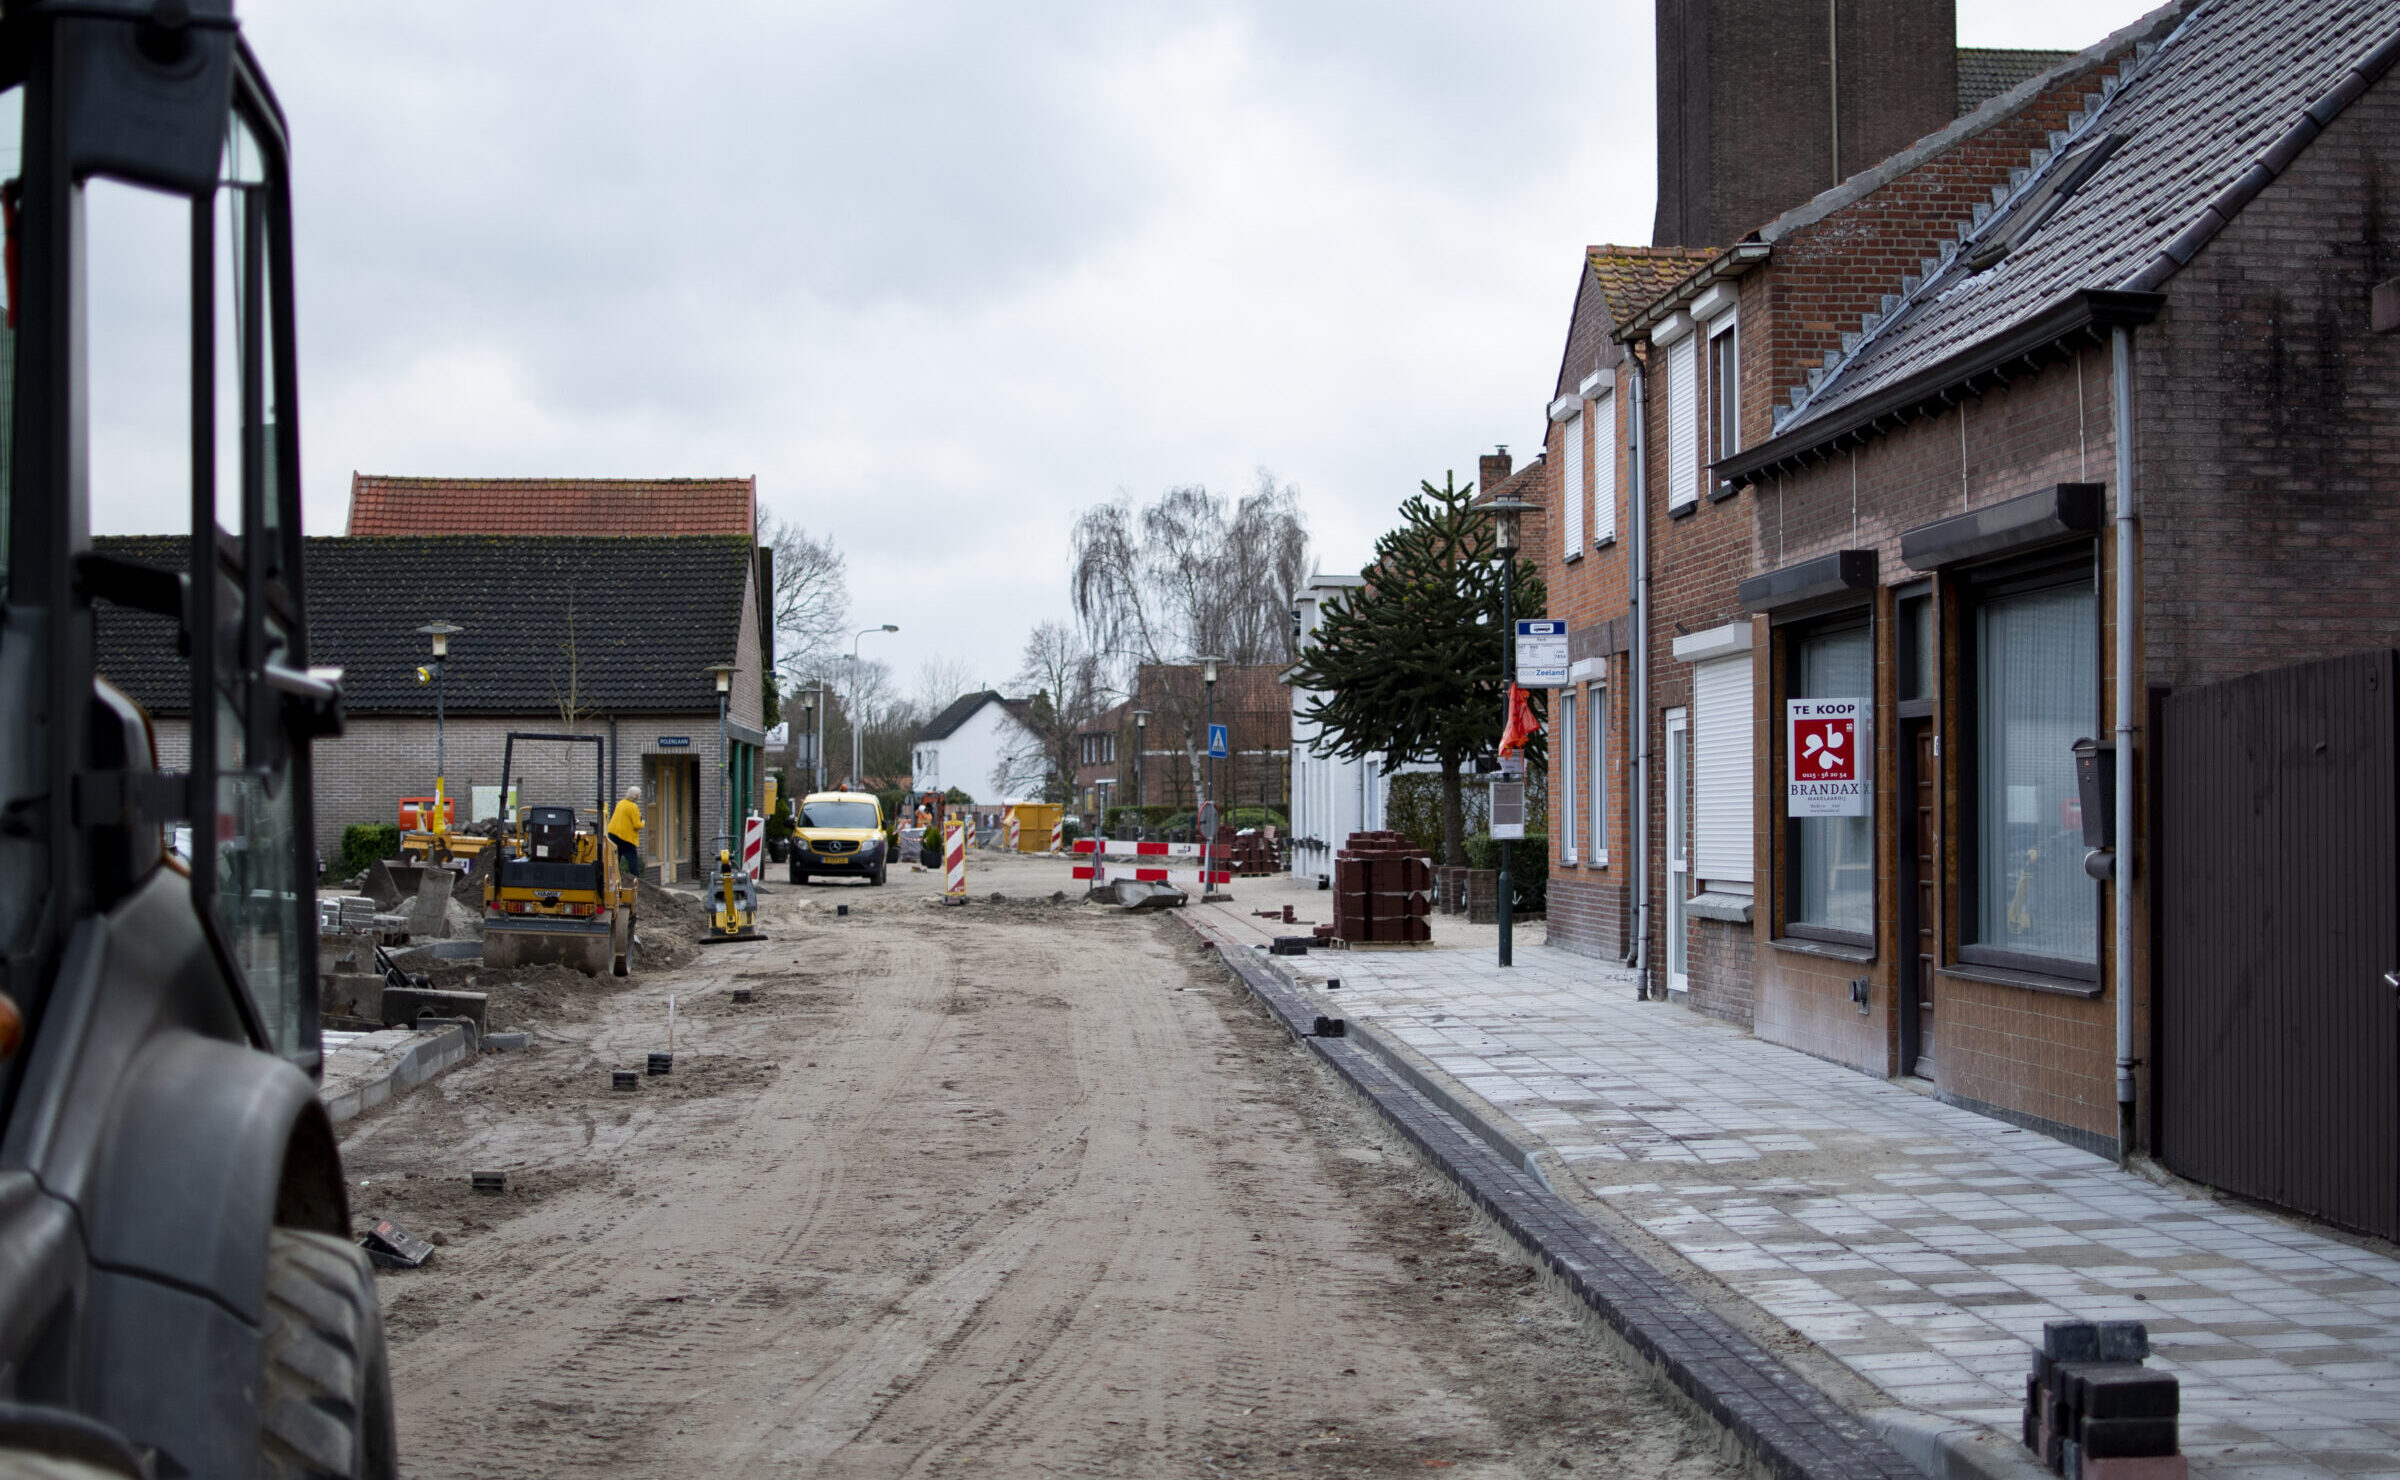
[(1919, 1244)]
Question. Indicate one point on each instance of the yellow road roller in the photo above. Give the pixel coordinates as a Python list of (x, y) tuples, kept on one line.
[(554, 894)]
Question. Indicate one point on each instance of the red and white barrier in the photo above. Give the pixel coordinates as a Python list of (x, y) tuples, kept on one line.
[(1118, 848), (754, 843), (1058, 835), (954, 860), (1015, 830), (1099, 870)]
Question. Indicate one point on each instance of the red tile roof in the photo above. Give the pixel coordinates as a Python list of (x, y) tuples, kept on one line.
[(584, 506)]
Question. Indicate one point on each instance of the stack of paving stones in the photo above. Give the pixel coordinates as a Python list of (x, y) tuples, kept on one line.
[(1381, 887), (2094, 1412)]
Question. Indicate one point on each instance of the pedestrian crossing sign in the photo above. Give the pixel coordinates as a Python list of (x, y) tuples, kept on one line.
[(1218, 749)]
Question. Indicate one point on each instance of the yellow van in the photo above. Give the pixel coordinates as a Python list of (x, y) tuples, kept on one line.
[(840, 832)]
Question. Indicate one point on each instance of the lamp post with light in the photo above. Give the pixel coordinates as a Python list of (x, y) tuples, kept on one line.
[(856, 735), (440, 634), (1506, 514), (723, 674), (1141, 799), (1208, 678), (816, 738)]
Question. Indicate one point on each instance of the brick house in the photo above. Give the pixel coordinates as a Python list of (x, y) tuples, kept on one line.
[(1250, 702), (2176, 233), (599, 635), (1583, 487)]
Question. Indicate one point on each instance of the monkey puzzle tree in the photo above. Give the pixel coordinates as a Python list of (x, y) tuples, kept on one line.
[(1410, 665)]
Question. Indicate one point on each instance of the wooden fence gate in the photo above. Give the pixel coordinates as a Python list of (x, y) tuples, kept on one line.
[(2277, 862)]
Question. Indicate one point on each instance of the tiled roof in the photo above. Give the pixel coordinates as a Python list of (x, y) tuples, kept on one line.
[(1633, 278), (1985, 72), (599, 506), (2207, 117), (960, 711), (650, 615)]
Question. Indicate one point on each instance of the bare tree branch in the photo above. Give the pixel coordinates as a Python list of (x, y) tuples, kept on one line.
[(812, 600)]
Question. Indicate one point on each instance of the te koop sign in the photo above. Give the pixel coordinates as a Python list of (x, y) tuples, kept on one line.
[(1829, 745)]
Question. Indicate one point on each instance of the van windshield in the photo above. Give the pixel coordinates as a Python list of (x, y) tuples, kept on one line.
[(838, 814)]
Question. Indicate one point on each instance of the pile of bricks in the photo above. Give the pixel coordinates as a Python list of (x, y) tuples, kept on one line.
[(1381, 889), (2094, 1412)]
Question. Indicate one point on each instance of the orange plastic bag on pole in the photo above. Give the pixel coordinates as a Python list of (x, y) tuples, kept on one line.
[(1521, 726)]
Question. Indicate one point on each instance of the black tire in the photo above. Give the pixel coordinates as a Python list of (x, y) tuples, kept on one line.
[(325, 1398), (798, 875), (877, 876)]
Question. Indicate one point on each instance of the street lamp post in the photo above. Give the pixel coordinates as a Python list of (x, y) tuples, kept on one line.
[(1505, 514), (1208, 677), (723, 674), (856, 764), (816, 738), (440, 633), (1141, 799)]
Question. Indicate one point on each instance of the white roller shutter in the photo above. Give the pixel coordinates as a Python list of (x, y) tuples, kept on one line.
[(1683, 421), (1604, 468), (1571, 490), (1721, 831)]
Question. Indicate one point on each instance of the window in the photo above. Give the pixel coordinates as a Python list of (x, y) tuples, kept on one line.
[(1604, 468), (1916, 648), (1831, 892), (1599, 772), (1724, 391), (1570, 495), (2034, 692), (1566, 774), (1683, 422), (1721, 780)]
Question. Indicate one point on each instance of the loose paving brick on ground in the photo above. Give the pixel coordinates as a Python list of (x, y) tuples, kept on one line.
[(1920, 1244)]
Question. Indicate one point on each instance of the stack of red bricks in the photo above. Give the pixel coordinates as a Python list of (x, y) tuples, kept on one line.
[(1381, 885), (2094, 1412)]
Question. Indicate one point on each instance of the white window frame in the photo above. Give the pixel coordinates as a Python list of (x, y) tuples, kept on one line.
[(1604, 469), (1571, 483), (1683, 422), (1596, 709), (1725, 420), (1565, 789)]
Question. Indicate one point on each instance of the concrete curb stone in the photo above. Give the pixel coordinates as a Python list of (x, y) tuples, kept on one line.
[(1786, 1427), (373, 1067)]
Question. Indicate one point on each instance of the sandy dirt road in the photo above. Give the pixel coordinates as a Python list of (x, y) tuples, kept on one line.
[(1010, 1189)]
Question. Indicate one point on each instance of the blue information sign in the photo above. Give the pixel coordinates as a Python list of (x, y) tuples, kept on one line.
[(1218, 748)]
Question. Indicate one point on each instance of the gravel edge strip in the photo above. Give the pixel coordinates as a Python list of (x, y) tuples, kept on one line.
[(1787, 1428)]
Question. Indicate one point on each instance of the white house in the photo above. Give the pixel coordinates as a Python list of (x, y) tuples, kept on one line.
[(1331, 797), (978, 746)]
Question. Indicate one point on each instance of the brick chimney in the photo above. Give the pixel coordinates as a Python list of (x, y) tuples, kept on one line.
[(1762, 104), (1492, 469)]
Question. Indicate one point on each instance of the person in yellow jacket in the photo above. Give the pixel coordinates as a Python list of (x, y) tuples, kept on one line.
[(625, 830)]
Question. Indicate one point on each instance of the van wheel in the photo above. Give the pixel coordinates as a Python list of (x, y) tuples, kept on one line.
[(877, 876), (798, 875), (325, 1399)]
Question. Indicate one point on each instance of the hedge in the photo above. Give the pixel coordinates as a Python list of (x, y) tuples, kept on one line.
[(1528, 869), (362, 844)]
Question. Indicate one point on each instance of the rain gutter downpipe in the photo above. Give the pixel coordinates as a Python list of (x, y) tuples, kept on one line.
[(2128, 589), (1637, 422)]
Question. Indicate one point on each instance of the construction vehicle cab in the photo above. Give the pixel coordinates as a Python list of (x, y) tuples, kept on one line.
[(180, 1293), (555, 893), (840, 832)]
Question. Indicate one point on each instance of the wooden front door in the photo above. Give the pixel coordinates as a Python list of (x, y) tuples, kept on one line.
[(1920, 911)]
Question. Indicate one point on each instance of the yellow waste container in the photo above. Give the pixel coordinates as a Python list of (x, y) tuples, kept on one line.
[(1034, 821)]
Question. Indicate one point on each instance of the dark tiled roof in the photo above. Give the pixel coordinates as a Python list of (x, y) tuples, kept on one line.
[(960, 711), (1985, 72), (1618, 282), (612, 506), (2208, 116), (650, 615)]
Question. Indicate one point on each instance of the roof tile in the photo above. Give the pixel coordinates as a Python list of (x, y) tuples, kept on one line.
[(381, 505)]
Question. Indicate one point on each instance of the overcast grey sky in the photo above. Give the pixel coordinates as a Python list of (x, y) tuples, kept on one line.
[(941, 274)]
